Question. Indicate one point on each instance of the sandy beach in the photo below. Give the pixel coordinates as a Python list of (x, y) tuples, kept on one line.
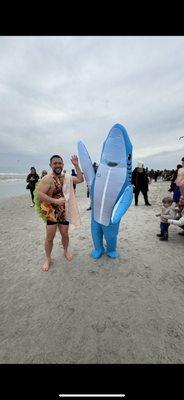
[(128, 310)]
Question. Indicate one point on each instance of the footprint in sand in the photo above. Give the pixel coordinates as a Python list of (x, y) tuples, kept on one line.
[(180, 278), (175, 329), (99, 326), (91, 271)]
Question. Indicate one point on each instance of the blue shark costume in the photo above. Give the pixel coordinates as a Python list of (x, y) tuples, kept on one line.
[(110, 189)]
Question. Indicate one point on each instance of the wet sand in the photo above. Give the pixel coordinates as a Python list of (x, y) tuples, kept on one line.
[(128, 310)]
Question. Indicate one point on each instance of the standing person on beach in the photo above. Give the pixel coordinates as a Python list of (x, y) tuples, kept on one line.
[(164, 174), (167, 212), (32, 179), (151, 175), (155, 176), (180, 179), (174, 188), (140, 182), (58, 204)]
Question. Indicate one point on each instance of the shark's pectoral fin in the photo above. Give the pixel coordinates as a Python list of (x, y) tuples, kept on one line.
[(122, 205), (86, 164)]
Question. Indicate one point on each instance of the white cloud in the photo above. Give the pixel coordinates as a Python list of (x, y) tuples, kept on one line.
[(55, 91)]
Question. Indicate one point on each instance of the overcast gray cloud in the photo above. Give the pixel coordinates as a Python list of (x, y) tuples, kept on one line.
[(55, 91)]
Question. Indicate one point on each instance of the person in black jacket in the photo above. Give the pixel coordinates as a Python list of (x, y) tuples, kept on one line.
[(140, 182), (32, 179), (155, 176)]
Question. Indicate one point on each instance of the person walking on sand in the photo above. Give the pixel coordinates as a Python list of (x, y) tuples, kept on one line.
[(32, 179), (58, 204)]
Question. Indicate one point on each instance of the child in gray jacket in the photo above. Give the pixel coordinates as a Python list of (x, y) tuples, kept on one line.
[(167, 212)]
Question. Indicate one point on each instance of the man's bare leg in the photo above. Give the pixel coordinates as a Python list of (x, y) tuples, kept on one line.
[(50, 234), (65, 241)]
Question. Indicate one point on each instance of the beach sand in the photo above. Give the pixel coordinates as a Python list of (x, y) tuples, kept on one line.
[(128, 310)]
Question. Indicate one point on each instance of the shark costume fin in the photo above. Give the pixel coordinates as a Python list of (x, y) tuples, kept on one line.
[(122, 205), (86, 164)]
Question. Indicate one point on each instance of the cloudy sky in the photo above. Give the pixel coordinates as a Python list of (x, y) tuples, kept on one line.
[(55, 91)]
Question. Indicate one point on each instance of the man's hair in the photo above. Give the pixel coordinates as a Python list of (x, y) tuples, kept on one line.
[(55, 156), (167, 200)]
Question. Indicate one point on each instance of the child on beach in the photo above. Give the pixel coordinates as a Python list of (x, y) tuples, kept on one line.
[(167, 212), (180, 220)]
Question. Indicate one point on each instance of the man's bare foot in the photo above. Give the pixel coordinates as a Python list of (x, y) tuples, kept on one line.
[(46, 265), (68, 255)]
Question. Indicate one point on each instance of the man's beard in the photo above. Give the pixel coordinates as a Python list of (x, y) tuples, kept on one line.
[(57, 171)]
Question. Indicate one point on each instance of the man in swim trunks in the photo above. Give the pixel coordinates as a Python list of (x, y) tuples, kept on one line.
[(53, 205)]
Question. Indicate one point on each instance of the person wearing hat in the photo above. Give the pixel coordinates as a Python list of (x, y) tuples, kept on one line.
[(140, 182)]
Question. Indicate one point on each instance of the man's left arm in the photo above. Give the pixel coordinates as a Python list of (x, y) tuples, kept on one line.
[(79, 178)]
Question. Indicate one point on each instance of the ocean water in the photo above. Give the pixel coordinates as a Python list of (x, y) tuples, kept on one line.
[(12, 184)]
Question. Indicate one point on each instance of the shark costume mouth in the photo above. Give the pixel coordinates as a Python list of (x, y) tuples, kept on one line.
[(112, 164)]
